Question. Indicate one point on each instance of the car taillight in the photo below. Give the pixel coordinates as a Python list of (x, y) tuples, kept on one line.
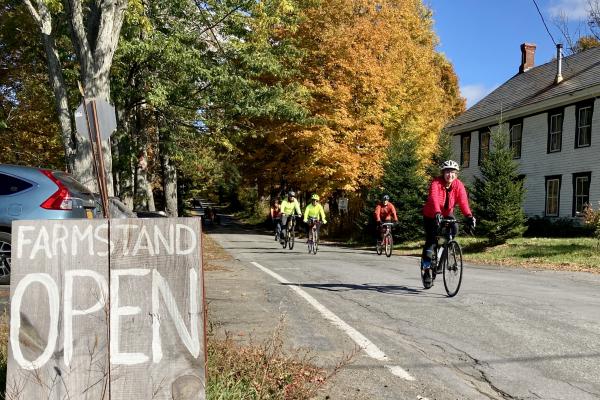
[(61, 199)]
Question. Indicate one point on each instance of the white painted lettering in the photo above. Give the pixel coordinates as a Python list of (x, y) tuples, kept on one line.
[(101, 295), (159, 238), (21, 241), (15, 319), (79, 236), (127, 232), (42, 243), (190, 340), (116, 357), (179, 238), (60, 234), (143, 236), (103, 239)]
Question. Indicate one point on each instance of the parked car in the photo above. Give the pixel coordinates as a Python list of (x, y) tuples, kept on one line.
[(119, 210), (37, 193), (150, 214)]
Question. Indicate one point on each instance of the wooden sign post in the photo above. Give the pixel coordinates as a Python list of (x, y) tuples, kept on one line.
[(107, 310)]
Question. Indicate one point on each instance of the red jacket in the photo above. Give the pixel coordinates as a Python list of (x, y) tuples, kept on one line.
[(437, 199), (385, 213)]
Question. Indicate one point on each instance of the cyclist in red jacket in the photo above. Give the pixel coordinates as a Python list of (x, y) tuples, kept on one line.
[(384, 212), (445, 192)]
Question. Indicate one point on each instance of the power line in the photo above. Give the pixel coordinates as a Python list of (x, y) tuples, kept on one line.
[(542, 17)]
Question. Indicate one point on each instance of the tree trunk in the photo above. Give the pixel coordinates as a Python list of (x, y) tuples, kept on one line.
[(43, 18), (169, 177)]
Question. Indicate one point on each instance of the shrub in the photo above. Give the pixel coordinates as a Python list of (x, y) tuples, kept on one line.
[(561, 227)]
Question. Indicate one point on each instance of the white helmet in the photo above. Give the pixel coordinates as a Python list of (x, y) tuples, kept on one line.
[(449, 164)]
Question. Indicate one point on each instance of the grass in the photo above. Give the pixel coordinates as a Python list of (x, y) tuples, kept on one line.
[(261, 370), (571, 254)]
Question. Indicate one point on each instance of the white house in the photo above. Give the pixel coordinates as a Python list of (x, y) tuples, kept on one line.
[(551, 113)]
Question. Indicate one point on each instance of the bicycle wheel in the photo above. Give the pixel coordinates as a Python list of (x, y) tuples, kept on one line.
[(291, 242), (310, 246), (389, 244), (452, 267), (315, 241), (286, 236), (379, 248)]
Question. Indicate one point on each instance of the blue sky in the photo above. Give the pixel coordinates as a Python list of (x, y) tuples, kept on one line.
[(482, 38)]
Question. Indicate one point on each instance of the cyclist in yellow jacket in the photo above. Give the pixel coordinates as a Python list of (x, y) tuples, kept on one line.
[(315, 212), (289, 207)]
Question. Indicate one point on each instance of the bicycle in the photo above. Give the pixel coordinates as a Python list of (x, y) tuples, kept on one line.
[(446, 258), (313, 235), (288, 239), (387, 243)]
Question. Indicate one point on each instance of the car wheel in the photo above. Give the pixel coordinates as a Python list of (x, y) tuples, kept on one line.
[(5, 241)]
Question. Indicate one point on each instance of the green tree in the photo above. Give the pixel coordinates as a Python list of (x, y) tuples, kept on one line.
[(499, 193), (407, 187)]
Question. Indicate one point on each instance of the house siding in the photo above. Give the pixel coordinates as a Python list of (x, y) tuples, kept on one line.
[(536, 164)]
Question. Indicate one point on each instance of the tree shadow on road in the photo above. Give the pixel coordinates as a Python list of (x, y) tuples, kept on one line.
[(386, 289)]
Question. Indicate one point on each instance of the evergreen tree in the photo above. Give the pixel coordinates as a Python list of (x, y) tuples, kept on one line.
[(499, 194), (406, 186)]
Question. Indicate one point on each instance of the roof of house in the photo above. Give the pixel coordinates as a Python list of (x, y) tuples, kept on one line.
[(579, 71)]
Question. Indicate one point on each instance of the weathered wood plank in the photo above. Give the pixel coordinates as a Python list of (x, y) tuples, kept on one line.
[(157, 341), (57, 264)]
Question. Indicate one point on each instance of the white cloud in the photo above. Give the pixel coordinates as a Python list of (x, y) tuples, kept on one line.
[(474, 93), (572, 9)]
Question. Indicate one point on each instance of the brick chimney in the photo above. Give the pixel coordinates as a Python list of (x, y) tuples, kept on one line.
[(527, 57)]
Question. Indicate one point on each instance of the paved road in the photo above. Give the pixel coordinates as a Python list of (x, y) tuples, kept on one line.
[(509, 334)]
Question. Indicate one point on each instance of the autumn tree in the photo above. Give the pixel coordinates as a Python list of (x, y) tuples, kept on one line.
[(370, 73)]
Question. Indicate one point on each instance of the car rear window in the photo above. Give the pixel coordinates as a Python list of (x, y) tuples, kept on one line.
[(11, 185), (71, 183)]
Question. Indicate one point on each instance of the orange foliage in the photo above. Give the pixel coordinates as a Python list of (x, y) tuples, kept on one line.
[(372, 73)]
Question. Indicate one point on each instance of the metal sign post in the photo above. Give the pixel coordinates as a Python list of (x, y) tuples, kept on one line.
[(95, 120)]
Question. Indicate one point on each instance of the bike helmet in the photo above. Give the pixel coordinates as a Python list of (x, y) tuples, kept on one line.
[(291, 193), (386, 198), (315, 197), (449, 164)]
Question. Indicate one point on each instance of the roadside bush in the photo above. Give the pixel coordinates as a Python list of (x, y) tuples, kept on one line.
[(254, 209), (559, 228), (264, 370), (592, 220)]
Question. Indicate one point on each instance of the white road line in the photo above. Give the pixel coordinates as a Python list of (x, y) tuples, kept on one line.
[(400, 372), (369, 347)]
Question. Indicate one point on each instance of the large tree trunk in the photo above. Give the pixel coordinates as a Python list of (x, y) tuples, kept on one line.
[(43, 18), (169, 176), (94, 46)]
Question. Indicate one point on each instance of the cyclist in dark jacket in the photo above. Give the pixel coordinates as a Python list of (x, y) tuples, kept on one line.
[(445, 192)]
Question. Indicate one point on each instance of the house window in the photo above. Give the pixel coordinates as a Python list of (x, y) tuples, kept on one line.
[(552, 195), (516, 136), (581, 192), (484, 144), (555, 123), (465, 150), (583, 135)]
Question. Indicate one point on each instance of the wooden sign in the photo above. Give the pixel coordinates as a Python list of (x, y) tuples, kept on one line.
[(107, 310)]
